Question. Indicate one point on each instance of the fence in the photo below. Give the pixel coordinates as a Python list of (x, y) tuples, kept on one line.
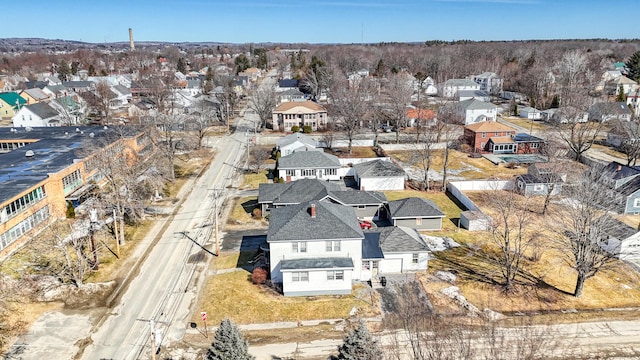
[(456, 189)]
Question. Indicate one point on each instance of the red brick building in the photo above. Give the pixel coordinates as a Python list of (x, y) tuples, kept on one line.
[(494, 137)]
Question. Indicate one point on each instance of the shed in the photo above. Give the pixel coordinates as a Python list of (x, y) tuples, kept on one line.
[(475, 220)]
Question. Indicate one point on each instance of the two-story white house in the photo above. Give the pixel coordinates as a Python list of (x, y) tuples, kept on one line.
[(489, 82), (449, 89), (296, 142), (36, 115), (475, 111)]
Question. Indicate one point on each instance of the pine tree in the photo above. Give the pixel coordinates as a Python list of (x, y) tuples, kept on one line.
[(359, 345), (633, 66), (182, 66), (555, 103), (229, 344)]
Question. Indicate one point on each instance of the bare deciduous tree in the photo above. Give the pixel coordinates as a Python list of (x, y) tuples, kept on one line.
[(583, 225), (396, 97), (577, 134), (349, 105), (423, 154), (263, 101)]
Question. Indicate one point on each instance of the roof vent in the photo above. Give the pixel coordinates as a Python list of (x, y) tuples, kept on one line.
[(29, 153), (105, 127), (28, 128), (66, 133), (91, 135), (77, 130)]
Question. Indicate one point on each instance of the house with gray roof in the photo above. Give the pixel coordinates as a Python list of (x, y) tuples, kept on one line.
[(607, 111), (315, 248), (379, 175), (531, 185), (417, 213), (318, 248), (296, 142), (480, 95), (450, 88), (368, 205), (622, 241), (36, 115), (308, 165), (474, 111)]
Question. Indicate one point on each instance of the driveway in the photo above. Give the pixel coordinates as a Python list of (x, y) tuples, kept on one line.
[(403, 293)]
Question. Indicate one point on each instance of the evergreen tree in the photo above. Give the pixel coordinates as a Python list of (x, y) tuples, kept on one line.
[(208, 80), (359, 345), (63, 70), (229, 344), (621, 97), (633, 66), (242, 63), (182, 66)]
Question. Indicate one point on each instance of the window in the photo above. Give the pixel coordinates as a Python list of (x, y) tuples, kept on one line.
[(309, 172), (418, 221), (414, 258), (636, 202), (335, 275), (534, 145), (299, 247), (331, 171), (333, 246), (290, 172), (300, 276), (538, 187), (484, 134), (362, 206)]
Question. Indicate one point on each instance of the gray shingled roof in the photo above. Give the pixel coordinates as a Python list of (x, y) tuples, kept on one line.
[(460, 82), (44, 110), (332, 221), (122, 89), (309, 160), (617, 171), (358, 197), (291, 138), (414, 207), (316, 263), (549, 178), (473, 104), (295, 192), (371, 246), (620, 230), (400, 239), (378, 168)]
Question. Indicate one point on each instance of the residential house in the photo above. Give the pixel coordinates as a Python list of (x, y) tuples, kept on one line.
[(449, 89), (489, 82), (70, 109), (55, 91), (290, 95), (34, 95), (475, 111), (379, 175), (530, 113), (308, 165), (622, 241), (613, 87), (417, 213), (123, 96), (564, 115), (287, 84), (530, 185), (299, 113), (36, 84), (79, 86), (513, 95), (368, 205), (527, 143), (606, 111), (315, 248), (633, 101), (420, 117), (473, 94), (393, 249), (478, 135), (628, 197), (36, 115), (10, 102), (296, 142)]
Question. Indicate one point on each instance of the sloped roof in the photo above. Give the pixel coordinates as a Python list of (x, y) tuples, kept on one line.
[(122, 89), (358, 197), (489, 126), (424, 114), (371, 246), (472, 93), (617, 171), (292, 138), (332, 222), (291, 105), (12, 99), (630, 187), (414, 207), (378, 168), (609, 108), (316, 263), (460, 82), (400, 239), (549, 178), (37, 94), (523, 137), (473, 104), (288, 83), (43, 110), (309, 160), (501, 140), (295, 192)]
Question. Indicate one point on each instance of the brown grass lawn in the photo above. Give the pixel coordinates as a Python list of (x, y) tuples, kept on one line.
[(461, 165), (356, 152), (233, 295), (241, 213), (527, 124), (611, 152), (544, 285), (252, 181)]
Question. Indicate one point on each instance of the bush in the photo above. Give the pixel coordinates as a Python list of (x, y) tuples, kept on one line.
[(71, 211), (307, 129), (295, 128), (281, 180), (259, 276), (257, 213)]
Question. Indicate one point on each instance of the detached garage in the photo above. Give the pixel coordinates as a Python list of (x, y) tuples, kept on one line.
[(417, 213), (379, 175)]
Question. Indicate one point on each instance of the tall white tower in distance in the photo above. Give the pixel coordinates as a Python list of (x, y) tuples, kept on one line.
[(131, 45)]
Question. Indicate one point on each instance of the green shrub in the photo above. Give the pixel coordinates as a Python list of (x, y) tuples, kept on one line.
[(295, 128), (71, 211), (307, 129)]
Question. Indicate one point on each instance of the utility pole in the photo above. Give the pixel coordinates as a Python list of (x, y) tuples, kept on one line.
[(115, 231), (93, 219)]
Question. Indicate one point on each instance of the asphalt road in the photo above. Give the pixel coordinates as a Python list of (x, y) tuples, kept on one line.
[(160, 297)]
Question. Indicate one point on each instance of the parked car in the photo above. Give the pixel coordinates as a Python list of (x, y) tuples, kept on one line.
[(386, 128), (364, 224)]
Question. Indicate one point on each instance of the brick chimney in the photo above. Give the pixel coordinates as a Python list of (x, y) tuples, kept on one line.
[(312, 210)]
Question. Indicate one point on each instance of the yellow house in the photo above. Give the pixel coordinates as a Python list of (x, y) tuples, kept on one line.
[(10, 102), (34, 95)]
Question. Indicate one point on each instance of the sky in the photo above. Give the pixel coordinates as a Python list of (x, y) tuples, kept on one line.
[(330, 21)]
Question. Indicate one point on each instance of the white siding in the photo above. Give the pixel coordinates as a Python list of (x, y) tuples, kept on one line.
[(315, 249), (379, 183), (390, 266), (317, 284)]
